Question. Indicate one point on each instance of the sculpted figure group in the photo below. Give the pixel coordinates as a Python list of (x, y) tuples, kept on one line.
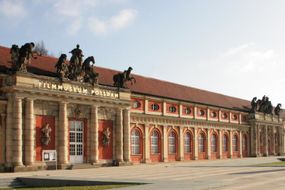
[(264, 106), (21, 57), (76, 69)]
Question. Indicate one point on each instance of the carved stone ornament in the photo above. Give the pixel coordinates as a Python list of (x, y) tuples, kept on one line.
[(45, 134), (106, 136)]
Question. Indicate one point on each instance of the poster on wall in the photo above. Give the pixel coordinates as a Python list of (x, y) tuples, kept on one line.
[(49, 155)]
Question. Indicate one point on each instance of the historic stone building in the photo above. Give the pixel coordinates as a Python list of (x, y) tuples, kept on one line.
[(152, 121)]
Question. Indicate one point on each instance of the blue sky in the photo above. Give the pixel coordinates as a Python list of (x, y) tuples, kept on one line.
[(231, 47)]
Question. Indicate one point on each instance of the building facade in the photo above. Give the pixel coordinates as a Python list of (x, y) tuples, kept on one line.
[(106, 125)]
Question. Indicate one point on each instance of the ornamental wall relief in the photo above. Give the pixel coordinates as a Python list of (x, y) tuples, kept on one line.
[(45, 134), (106, 113)]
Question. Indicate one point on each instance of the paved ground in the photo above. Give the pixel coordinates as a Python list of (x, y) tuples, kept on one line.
[(220, 174)]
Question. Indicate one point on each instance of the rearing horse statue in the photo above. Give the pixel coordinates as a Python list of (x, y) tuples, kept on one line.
[(121, 78)]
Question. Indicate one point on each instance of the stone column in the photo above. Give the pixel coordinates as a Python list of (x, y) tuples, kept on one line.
[(165, 144), (8, 134), (17, 133), (281, 140), (94, 137), (196, 144), (220, 144), (265, 143), (119, 136), (127, 142), (29, 132), (208, 144), (254, 140), (146, 144), (231, 143), (240, 144), (181, 144), (3, 138), (273, 135), (63, 134)]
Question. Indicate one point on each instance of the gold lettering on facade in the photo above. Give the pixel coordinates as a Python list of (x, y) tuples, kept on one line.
[(78, 89)]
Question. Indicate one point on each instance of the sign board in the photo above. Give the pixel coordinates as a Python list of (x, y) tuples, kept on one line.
[(49, 156)]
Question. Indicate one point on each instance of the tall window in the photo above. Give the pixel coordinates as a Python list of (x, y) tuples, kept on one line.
[(154, 138), (243, 143), (214, 143), (225, 143), (187, 142), (201, 143), (172, 143), (135, 142), (235, 139)]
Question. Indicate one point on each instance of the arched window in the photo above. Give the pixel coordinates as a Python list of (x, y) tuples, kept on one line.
[(154, 139), (235, 140), (135, 142), (201, 143), (225, 143), (214, 143), (172, 143), (187, 143), (244, 143)]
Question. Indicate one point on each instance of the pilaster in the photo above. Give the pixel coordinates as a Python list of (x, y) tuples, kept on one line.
[(231, 143), (119, 136), (94, 137), (195, 144), (181, 144), (240, 144), (29, 132), (165, 144), (127, 144), (208, 144), (146, 143), (220, 144), (265, 143), (9, 122)]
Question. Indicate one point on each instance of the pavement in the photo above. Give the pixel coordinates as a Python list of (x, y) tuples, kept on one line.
[(230, 174)]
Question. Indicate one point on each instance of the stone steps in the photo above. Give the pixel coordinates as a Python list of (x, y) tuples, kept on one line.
[(11, 183)]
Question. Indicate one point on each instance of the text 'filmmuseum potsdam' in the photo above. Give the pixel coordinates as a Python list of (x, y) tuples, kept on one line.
[(71, 113)]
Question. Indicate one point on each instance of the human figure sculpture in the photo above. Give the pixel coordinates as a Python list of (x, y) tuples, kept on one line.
[(21, 57), (277, 109), (253, 105), (75, 63), (45, 134), (121, 78), (106, 136), (25, 55)]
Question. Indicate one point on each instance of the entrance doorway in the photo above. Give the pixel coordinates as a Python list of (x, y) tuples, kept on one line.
[(76, 137)]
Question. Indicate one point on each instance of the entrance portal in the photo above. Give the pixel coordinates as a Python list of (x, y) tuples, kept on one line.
[(76, 136)]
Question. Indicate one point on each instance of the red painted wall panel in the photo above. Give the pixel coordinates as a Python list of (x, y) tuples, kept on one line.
[(40, 121), (105, 151)]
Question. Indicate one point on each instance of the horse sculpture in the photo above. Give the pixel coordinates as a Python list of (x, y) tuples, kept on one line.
[(61, 67), (277, 109), (21, 57), (121, 78), (75, 64), (90, 75)]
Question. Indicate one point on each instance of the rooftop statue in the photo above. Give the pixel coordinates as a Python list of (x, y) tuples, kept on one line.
[(21, 57), (61, 67), (90, 75), (263, 105), (120, 79), (75, 64), (277, 109)]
